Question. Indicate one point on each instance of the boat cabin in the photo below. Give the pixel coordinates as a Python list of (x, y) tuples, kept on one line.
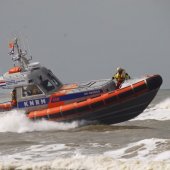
[(36, 82)]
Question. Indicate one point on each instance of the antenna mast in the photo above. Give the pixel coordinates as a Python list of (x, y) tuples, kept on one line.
[(19, 55)]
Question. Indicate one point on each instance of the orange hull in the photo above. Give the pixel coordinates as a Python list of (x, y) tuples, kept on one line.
[(145, 89), (5, 106)]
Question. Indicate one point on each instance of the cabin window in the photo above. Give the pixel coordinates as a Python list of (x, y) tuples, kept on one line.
[(55, 81), (50, 75), (47, 85), (31, 90)]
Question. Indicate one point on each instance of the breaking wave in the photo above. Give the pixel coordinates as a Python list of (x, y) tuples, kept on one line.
[(90, 163), (160, 111), (147, 149), (145, 154)]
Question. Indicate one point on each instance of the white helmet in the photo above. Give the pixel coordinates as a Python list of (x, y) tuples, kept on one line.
[(119, 69)]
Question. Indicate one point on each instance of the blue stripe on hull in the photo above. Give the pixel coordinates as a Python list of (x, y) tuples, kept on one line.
[(34, 102), (76, 95), (45, 101)]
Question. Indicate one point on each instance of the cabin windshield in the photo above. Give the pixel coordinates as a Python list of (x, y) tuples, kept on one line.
[(53, 79), (47, 85)]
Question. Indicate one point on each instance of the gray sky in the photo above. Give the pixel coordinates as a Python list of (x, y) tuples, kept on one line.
[(82, 40)]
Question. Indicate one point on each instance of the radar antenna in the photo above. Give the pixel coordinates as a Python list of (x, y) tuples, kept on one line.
[(19, 55)]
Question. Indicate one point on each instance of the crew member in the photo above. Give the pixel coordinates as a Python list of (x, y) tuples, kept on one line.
[(120, 77), (14, 98)]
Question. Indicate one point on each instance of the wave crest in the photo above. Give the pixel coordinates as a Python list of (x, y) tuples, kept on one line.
[(160, 111)]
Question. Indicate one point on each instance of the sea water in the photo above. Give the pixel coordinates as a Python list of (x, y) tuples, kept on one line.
[(142, 143)]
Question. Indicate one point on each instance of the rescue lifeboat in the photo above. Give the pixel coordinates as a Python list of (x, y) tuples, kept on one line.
[(43, 96)]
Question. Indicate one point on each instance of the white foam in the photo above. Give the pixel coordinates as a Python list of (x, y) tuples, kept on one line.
[(37, 153), (165, 104), (145, 154), (16, 121), (95, 162), (147, 149), (161, 112)]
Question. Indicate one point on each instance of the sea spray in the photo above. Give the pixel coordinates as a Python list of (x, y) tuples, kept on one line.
[(17, 121), (165, 104)]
